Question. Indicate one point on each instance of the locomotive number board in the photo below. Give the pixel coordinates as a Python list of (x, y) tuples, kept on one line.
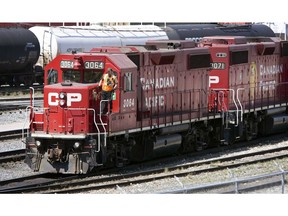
[(66, 64), (94, 65), (218, 65)]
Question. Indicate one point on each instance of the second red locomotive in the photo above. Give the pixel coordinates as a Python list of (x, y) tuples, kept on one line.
[(172, 97)]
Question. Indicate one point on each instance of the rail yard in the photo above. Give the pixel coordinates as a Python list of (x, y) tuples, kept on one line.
[(173, 140)]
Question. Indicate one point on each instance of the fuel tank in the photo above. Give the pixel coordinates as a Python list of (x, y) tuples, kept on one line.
[(19, 48), (274, 124), (158, 146), (166, 145)]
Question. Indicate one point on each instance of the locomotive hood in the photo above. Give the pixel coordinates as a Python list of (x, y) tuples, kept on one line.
[(67, 107)]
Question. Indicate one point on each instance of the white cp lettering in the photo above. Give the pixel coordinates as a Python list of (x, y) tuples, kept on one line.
[(213, 80), (53, 98)]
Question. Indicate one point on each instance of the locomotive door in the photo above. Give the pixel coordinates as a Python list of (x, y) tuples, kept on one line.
[(115, 95)]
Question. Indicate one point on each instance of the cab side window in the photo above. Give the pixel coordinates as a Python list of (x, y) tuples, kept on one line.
[(52, 76), (128, 82)]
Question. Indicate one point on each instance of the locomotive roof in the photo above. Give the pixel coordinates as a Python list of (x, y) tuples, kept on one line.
[(237, 39), (122, 61), (118, 58), (171, 44)]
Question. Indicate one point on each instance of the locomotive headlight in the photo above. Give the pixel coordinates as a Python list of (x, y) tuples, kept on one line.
[(62, 95), (38, 143), (76, 145), (62, 102)]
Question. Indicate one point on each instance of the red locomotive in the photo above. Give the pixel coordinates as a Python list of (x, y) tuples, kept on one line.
[(248, 84), (172, 97)]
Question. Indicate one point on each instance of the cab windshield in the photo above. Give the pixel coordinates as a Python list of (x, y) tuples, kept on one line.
[(75, 76), (71, 76), (92, 76)]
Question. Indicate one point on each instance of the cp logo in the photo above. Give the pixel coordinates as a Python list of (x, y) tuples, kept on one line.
[(213, 80), (53, 98)]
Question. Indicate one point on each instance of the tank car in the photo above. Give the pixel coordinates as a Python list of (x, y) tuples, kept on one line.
[(60, 40), (196, 31), (19, 52)]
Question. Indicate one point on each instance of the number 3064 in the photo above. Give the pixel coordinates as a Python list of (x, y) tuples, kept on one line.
[(128, 102)]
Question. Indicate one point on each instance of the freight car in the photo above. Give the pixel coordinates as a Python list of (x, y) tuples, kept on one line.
[(20, 50), (196, 32), (60, 40), (172, 97), (22, 64)]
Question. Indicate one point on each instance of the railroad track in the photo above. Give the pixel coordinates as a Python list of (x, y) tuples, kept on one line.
[(10, 104), (80, 184), (241, 185), (15, 91), (12, 156), (12, 134), (23, 182)]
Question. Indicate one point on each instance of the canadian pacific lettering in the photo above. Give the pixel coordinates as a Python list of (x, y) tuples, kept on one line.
[(150, 84), (270, 69), (159, 83), (155, 101)]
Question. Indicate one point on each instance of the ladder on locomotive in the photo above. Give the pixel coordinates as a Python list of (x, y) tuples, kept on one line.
[(101, 126), (101, 130), (238, 112)]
